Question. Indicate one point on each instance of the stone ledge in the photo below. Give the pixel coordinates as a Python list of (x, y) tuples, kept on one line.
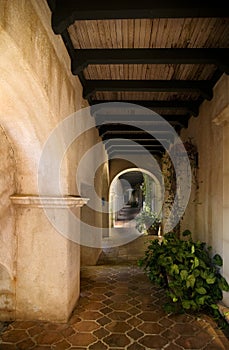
[(35, 201)]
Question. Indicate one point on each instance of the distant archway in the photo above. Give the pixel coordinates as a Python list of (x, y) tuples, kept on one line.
[(118, 189)]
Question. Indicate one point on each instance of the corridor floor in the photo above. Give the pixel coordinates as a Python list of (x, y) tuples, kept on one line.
[(118, 309)]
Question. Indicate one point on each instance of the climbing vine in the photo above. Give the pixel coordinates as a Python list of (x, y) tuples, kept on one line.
[(170, 177)]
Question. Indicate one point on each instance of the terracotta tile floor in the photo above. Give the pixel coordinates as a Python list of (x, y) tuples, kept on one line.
[(118, 309)]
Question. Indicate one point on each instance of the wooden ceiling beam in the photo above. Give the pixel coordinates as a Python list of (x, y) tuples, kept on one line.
[(66, 12), (136, 137), (156, 129), (216, 56), (119, 154), (190, 107), (141, 119), (202, 87), (135, 148), (126, 143)]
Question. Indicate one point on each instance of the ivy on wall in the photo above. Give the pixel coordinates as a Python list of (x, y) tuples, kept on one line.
[(147, 191), (170, 175)]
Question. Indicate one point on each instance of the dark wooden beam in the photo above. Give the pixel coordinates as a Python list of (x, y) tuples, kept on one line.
[(66, 12), (141, 119), (126, 143), (69, 46), (133, 129), (119, 154), (216, 56), (204, 88), (136, 137), (135, 150), (190, 107), (142, 151)]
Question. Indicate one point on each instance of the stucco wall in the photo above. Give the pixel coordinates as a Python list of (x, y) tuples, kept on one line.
[(37, 91), (204, 214), (7, 229)]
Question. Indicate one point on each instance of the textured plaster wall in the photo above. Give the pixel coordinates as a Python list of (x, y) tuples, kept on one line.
[(37, 91), (7, 229), (93, 184), (35, 86), (205, 213)]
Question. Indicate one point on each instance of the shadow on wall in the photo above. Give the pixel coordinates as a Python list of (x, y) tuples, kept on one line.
[(7, 295)]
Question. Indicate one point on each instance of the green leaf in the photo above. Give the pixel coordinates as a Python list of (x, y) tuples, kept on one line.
[(196, 272), (210, 280), (175, 299), (202, 263), (186, 304), (201, 300), (184, 275), (214, 306), (223, 284), (195, 263), (190, 281), (175, 269), (201, 290), (186, 233), (193, 249), (217, 260)]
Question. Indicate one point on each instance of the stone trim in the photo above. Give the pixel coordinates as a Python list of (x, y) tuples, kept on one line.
[(35, 201)]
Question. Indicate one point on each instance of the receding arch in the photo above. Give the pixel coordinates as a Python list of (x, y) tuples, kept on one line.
[(159, 188)]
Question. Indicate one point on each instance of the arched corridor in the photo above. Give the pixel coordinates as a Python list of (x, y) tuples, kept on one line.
[(89, 104)]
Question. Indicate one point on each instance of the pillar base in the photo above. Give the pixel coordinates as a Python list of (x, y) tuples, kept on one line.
[(48, 264)]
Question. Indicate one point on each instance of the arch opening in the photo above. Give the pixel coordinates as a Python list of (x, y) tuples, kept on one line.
[(132, 191)]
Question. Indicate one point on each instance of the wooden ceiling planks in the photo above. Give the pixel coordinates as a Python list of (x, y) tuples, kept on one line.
[(179, 28), (148, 72), (148, 33), (162, 96)]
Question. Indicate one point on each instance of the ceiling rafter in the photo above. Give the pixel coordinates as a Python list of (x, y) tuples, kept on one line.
[(122, 142), (141, 119), (202, 87), (86, 57), (119, 154), (136, 149), (191, 107), (66, 12), (136, 137), (118, 128)]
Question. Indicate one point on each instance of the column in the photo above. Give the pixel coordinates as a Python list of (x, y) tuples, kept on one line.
[(48, 263)]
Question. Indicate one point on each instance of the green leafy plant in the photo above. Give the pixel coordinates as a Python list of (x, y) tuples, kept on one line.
[(187, 271)]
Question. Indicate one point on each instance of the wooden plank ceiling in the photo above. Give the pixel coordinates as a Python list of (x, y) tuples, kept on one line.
[(164, 55)]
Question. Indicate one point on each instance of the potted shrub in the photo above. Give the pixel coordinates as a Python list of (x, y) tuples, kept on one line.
[(188, 272)]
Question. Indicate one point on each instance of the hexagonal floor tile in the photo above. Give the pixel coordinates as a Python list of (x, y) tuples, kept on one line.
[(117, 340), (118, 327)]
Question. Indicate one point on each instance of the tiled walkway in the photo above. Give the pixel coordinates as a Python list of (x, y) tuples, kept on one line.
[(118, 309)]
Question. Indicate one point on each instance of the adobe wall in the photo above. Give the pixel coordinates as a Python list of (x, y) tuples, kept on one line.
[(207, 210), (7, 229), (38, 91)]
